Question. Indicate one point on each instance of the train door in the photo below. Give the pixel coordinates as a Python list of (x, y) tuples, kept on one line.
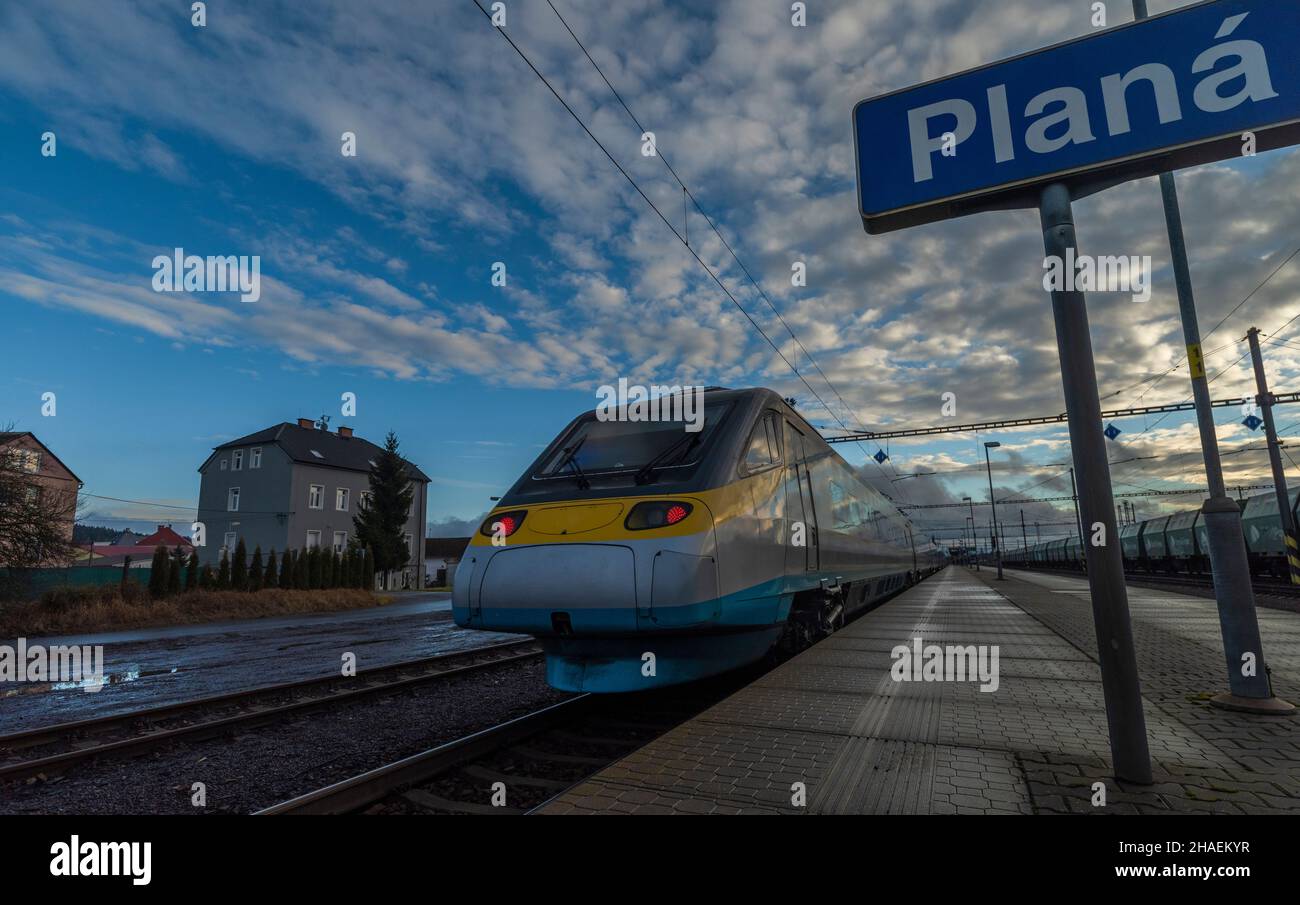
[(799, 501)]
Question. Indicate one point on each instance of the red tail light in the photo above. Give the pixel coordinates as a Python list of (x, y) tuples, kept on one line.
[(655, 514), (509, 523)]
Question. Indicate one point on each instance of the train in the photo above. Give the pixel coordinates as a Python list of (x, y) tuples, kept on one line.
[(641, 554), (1177, 544)]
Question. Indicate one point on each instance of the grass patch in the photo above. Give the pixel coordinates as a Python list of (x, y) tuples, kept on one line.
[(65, 611)]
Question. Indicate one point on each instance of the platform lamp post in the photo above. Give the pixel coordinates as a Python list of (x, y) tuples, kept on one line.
[(975, 553), (993, 444)]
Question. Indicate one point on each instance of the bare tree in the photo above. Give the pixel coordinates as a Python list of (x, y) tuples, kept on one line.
[(36, 517)]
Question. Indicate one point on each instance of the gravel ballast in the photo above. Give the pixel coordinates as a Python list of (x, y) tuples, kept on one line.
[(269, 764)]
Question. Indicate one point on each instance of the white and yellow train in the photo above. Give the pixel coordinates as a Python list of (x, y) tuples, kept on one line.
[(643, 555)]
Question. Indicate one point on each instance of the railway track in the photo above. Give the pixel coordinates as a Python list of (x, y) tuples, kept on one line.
[(1272, 587), (53, 749), (534, 758)]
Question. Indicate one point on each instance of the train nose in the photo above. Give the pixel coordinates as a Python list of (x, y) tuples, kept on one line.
[(556, 589)]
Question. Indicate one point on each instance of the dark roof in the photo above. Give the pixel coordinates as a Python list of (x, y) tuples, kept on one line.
[(302, 443), (444, 547)]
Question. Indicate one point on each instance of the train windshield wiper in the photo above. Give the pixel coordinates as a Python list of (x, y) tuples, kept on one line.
[(661, 460), (570, 461)]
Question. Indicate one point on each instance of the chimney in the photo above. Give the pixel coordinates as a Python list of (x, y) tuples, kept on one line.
[(307, 423), (345, 431)]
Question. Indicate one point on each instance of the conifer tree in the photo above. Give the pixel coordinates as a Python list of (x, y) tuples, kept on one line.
[(314, 567), (174, 571), (286, 570), (381, 525), (223, 572), (239, 567), (300, 581), (368, 572), (270, 579), (255, 570), (192, 571), (158, 573)]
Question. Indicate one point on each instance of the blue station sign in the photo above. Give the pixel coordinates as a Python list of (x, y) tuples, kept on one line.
[(1206, 82)]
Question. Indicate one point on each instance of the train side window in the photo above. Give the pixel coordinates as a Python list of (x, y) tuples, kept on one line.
[(763, 450), (773, 427), (792, 445)]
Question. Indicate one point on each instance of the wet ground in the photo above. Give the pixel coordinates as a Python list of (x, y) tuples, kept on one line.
[(154, 666)]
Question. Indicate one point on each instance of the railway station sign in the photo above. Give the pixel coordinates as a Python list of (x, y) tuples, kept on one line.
[(1206, 82)]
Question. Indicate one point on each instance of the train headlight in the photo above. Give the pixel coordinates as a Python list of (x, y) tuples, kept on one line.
[(509, 523), (656, 514)]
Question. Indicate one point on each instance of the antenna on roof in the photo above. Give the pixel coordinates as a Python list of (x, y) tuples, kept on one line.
[(324, 422)]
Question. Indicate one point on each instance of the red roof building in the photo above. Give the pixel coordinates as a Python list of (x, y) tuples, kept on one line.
[(164, 537)]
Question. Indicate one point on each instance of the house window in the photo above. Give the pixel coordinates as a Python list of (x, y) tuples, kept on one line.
[(341, 499), (28, 460), (366, 497), (410, 545), (313, 540), (316, 497), (237, 460), (232, 499), (255, 458), (340, 541), (230, 541), (223, 464)]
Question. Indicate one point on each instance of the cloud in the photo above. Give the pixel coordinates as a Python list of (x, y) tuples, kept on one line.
[(456, 139)]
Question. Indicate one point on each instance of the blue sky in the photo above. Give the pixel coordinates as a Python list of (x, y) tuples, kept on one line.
[(225, 140)]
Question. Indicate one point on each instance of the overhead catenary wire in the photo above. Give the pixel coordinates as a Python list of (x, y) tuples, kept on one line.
[(687, 193), (676, 233)]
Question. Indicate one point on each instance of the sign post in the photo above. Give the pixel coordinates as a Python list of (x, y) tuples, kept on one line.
[(1205, 82), (1119, 674)]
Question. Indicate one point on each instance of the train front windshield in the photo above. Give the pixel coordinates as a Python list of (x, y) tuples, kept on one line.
[(597, 446)]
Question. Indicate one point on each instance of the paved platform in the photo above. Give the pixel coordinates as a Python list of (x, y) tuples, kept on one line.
[(834, 719)]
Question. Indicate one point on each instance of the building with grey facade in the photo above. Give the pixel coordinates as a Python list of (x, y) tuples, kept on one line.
[(296, 486)]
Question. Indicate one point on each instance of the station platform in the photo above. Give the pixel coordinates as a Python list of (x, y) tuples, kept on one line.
[(835, 720)]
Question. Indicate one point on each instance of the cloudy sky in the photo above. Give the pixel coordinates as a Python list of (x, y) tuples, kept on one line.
[(377, 269)]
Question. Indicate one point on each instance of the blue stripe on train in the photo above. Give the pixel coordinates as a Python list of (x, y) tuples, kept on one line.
[(608, 650)]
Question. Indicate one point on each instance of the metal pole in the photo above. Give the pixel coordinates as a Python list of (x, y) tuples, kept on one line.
[(1121, 686), (1248, 680), (1024, 534), (997, 544), (1074, 494), (1265, 401), (974, 536)]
